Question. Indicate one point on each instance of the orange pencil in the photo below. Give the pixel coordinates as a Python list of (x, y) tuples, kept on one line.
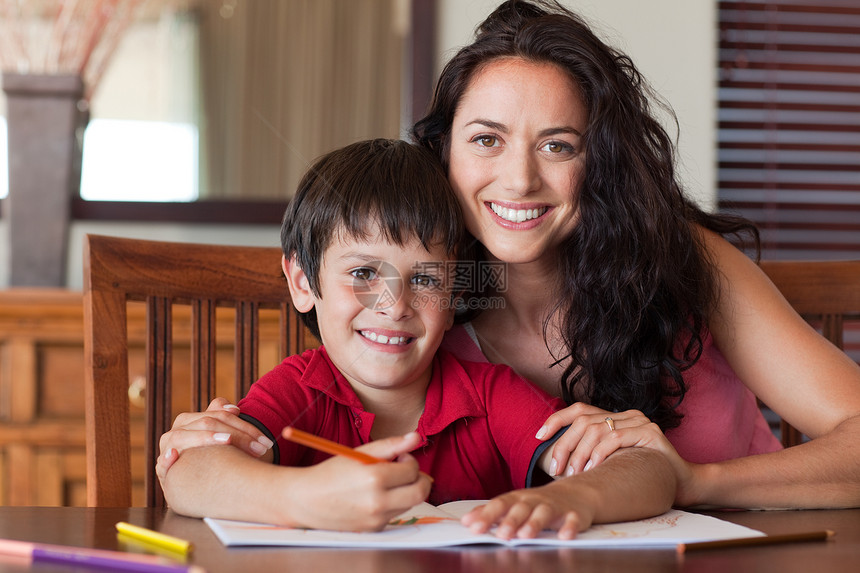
[(330, 447), (756, 541)]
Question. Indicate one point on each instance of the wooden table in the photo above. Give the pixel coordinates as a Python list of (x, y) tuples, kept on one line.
[(94, 527)]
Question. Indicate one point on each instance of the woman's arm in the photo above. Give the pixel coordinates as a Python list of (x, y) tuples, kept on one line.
[(218, 424), (801, 376), (339, 493)]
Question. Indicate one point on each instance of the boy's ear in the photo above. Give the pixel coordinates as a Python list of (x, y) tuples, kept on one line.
[(300, 288)]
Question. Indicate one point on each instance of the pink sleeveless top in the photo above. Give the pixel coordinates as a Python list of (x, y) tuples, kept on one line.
[(721, 419)]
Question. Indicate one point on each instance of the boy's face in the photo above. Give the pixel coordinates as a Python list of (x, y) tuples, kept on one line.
[(383, 310)]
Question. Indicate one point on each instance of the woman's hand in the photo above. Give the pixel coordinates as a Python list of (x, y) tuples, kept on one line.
[(590, 439), (219, 424)]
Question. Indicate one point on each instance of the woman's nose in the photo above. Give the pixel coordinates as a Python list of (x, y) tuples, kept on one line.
[(520, 173)]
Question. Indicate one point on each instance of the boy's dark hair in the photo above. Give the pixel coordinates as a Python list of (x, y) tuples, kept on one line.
[(385, 184)]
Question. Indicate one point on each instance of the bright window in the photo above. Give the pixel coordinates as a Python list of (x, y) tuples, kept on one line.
[(130, 161), (139, 161)]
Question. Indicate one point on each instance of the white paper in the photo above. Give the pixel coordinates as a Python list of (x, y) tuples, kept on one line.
[(429, 526)]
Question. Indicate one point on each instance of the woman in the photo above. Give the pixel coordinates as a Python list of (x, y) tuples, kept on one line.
[(619, 292), (620, 287)]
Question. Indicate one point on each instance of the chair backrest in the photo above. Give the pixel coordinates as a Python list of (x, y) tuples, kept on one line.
[(825, 293), (163, 274), (248, 279)]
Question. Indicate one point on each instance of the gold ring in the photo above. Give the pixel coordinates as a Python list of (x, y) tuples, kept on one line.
[(609, 422)]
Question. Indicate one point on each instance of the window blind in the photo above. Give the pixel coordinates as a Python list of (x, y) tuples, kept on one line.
[(789, 124), (789, 127)]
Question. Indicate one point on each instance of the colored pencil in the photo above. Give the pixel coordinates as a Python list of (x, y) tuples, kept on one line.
[(92, 558), (330, 447), (154, 537), (756, 541), (327, 446), (134, 545)]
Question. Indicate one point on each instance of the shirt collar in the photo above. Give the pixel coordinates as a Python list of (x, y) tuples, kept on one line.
[(449, 401), (322, 375), (445, 403)]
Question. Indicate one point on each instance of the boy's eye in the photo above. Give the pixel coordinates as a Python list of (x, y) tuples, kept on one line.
[(363, 273), (425, 281)]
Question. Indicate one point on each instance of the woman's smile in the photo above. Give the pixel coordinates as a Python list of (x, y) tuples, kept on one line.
[(514, 214)]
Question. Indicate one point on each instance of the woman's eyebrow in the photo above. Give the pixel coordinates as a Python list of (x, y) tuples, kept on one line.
[(488, 123), (560, 130), (543, 133)]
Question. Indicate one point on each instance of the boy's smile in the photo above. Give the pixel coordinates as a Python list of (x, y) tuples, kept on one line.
[(387, 338), (382, 311)]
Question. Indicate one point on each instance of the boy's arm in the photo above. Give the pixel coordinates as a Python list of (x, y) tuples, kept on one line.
[(630, 484), (339, 493)]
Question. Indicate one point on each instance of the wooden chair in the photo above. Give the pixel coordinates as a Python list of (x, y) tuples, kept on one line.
[(825, 293), (163, 274)]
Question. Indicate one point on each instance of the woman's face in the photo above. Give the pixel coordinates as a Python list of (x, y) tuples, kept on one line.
[(516, 158)]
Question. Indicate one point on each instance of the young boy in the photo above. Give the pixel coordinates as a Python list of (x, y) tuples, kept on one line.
[(370, 244)]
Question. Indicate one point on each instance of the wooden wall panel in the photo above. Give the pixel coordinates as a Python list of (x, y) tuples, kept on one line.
[(42, 435)]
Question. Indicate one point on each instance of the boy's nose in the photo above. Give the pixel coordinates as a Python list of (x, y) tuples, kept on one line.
[(399, 306)]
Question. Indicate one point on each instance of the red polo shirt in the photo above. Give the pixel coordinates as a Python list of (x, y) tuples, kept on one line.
[(477, 430)]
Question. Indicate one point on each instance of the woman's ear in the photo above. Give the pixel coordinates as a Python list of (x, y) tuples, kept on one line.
[(300, 288)]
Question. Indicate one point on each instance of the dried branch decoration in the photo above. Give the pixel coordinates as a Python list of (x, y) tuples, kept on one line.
[(62, 36)]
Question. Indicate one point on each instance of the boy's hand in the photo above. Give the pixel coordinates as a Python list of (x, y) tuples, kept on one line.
[(630, 484), (219, 424), (345, 494), (524, 513)]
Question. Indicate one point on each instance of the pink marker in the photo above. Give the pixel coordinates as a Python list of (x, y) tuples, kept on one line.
[(101, 558)]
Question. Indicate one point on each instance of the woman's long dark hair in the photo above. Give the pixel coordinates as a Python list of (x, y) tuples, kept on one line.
[(636, 283)]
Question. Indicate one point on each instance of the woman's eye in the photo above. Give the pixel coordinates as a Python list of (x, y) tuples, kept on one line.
[(558, 147), (363, 273), (486, 141)]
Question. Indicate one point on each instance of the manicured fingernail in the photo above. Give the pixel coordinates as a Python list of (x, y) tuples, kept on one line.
[(170, 454), (569, 471), (221, 437), (587, 466), (258, 448), (553, 466), (541, 433), (266, 442), (231, 407)]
